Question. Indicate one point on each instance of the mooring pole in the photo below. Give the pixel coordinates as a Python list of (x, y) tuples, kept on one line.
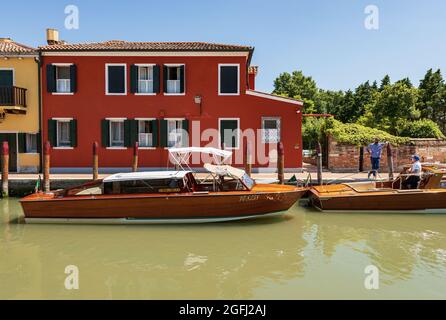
[(95, 161), (135, 157), (46, 167), (5, 169), (319, 163), (248, 159), (390, 161), (280, 163)]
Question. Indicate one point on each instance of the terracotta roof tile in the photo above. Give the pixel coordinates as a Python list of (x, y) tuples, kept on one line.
[(8, 46), (118, 45)]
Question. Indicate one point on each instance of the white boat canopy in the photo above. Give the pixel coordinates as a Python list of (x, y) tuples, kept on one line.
[(146, 176), (181, 156), (225, 170)]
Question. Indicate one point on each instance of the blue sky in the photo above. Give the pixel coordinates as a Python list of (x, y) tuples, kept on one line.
[(325, 39)]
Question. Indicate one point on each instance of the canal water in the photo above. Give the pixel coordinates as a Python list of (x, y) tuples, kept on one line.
[(304, 255)]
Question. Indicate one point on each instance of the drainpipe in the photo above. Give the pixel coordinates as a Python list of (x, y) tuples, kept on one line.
[(39, 73)]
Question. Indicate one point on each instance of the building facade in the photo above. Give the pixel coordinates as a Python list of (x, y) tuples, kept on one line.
[(159, 95), (19, 105)]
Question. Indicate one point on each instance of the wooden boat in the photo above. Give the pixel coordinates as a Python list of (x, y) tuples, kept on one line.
[(387, 196), (163, 197)]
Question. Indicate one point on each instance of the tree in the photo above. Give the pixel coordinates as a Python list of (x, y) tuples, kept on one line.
[(295, 85), (385, 82), (406, 81), (364, 95), (432, 103)]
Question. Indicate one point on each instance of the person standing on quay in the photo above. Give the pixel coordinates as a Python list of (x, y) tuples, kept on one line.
[(375, 150)]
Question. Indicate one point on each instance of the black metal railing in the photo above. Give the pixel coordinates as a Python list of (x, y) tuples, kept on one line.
[(13, 96)]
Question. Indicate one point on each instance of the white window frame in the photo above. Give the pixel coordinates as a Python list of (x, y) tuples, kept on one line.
[(176, 65), (13, 74), (110, 133), (106, 78), (279, 133), (173, 119), (144, 65), (62, 93), (238, 133), (57, 133), (238, 78), (145, 119)]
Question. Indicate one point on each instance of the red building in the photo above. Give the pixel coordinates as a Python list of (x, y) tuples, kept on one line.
[(161, 95)]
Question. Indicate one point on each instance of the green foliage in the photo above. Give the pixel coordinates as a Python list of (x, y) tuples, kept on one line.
[(423, 128), (295, 85), (312, 131), (356, 134)]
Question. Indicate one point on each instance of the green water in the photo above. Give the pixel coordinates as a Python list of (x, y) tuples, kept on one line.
[(303, 255)]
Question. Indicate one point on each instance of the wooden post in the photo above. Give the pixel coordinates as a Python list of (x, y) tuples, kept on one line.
[(390, 161), (135, 157), (95, 161), (280, 163), (46, 167), (248, 159), (5, 169), (319, 163)]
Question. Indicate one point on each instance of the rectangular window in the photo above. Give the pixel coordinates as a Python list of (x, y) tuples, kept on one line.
[(145, 79), (174, 133), (229, 133), (116, 79), (31, 143), (174, 79), (229, 78), (63, 79), (145, 133), (117, 133), (63, 133), (270, 130)]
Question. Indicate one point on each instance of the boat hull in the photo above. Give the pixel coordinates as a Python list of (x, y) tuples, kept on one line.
[(423, 201), (169, 208)]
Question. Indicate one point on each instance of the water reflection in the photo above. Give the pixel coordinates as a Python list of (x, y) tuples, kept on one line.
[(304, 255)]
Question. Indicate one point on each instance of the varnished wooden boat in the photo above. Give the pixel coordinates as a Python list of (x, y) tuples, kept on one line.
[(162, 197), (387, 196)]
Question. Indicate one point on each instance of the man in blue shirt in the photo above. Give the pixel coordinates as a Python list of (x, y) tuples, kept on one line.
[(375, 150)]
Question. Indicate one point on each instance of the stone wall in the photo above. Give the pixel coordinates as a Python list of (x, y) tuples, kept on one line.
[(345, 158)]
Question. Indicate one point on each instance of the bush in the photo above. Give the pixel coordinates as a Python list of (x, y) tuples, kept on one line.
[(356, 134), (423, 128)]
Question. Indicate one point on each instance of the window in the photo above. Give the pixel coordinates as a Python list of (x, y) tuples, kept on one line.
[(229, 133), (116, 79), (117, 133), (63, 82), (229, 78), (174, 133), (63, 133), (145, 133), (270, 130), (174, 79), (145, 79), (31, 143)]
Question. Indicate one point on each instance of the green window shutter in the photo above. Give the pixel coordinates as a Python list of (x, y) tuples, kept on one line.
[(22, 142), (105, 128), (52, 132), (133, 132), (165, 79), (129, 139), (185, 138), (156, 79), (50, 78), (163, 133), (155, 142), (133, 78), (182, 79), (73, 133), (73, 78)]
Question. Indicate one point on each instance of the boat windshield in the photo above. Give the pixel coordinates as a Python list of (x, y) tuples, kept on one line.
[(223, 171)]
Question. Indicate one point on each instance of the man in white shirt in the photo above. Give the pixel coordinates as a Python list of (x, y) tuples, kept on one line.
[(412, 181)]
